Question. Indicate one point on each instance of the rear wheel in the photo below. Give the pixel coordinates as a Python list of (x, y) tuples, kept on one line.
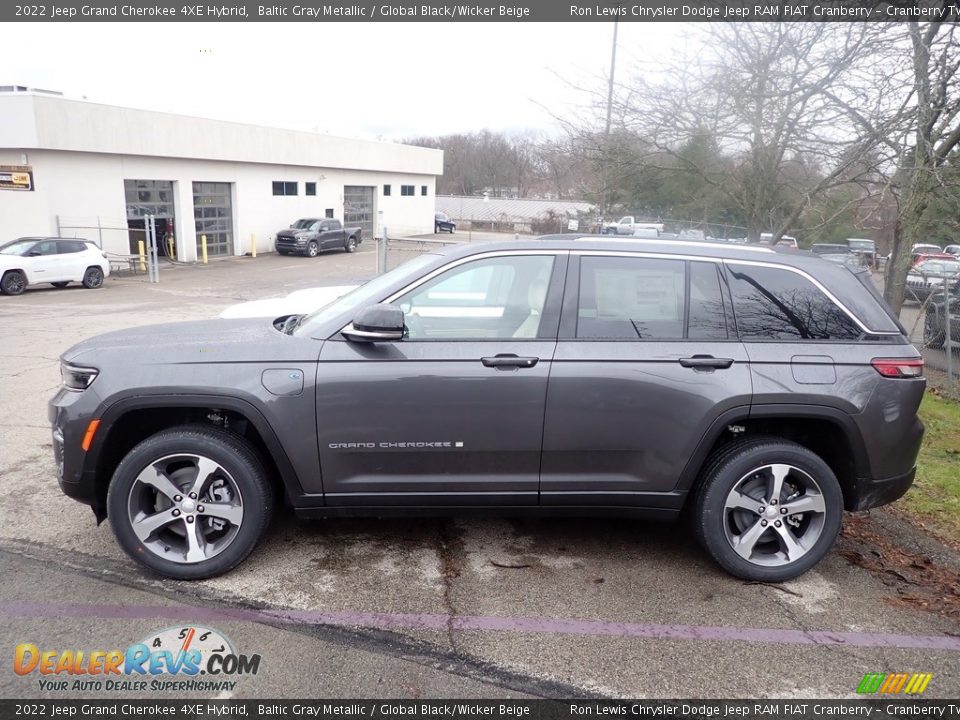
[(60, 284), (190, 503), (93, 278), (768, 509), (14, 282), (933, 334), (313, 249), (351, 245)]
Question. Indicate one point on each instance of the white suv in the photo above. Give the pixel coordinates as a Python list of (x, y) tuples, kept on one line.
[(58, 261)]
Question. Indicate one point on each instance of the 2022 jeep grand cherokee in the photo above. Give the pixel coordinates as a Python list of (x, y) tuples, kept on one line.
[(762, 392)]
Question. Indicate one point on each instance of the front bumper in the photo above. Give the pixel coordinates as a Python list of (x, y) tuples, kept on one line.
[(871, 493), (69, 415)]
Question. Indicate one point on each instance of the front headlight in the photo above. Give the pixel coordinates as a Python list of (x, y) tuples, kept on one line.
[(77, 378)]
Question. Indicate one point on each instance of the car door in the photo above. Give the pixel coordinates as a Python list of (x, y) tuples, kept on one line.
[(44, 263), (73, 258), (453, 413), (647, 360), (330, 235)]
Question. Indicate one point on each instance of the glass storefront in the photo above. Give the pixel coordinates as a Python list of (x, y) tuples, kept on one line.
[(213, 215)]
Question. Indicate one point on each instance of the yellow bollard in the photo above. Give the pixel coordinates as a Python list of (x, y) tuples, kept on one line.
[(203, 249), (143, 256), (253, 244)]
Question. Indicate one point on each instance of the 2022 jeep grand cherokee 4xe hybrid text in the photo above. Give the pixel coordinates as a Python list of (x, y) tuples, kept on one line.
[(756, 391)]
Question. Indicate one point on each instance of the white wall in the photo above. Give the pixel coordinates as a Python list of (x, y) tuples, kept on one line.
[(82, 187)]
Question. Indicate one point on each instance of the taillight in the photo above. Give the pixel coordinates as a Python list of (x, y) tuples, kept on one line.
[(898, 367)]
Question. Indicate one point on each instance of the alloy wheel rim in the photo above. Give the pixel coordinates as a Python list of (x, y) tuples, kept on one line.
[(185, 508), (96, 278), (774, 515), (15, 284)]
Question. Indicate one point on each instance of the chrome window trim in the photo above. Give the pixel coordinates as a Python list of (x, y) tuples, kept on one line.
[(833, 298)]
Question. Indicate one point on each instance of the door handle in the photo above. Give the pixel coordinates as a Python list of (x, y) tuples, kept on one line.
[(509, 361), (706, 362)]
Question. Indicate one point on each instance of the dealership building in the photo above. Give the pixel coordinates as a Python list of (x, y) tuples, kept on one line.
[(80, 169)]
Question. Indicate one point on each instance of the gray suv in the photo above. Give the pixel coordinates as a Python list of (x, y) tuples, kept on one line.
[(758, 392)]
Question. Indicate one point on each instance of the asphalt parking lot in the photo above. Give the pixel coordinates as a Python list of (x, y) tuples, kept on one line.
[(423, 608)]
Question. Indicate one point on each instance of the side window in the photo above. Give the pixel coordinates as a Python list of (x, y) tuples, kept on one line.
[(318, 226), (631, 298), (310, 188), (772, 304), (491, 299), (47, 247), (69, 246), (707, 318)]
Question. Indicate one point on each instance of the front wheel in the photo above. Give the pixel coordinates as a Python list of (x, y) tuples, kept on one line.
[(313, 249), (190, 502), (93, 278), (767, 509), (13, 282), (351, 245)]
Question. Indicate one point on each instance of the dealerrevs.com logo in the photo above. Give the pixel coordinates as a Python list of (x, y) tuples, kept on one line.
[(183, 659)]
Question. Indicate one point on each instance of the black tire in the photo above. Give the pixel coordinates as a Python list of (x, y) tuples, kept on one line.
[(934, 334), (727, 470), (230, 452), (313, 249), (93, 278), (350, 245), (14, 282), (60, 284)]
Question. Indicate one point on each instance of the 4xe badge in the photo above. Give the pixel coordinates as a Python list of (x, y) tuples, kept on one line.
[(155, 663)]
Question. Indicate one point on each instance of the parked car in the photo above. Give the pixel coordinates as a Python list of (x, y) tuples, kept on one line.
[(784, 241), (921, 250), (628, 225), (935, 319), (58, 261), (468, 377), (928, 276), (952, 250), (311, 236), (836, 253), (442, 223), (864, 248)]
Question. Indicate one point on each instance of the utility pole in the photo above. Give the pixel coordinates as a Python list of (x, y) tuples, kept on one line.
[(606, 132)]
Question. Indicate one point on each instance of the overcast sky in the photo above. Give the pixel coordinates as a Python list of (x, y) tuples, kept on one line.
[(370, 80)]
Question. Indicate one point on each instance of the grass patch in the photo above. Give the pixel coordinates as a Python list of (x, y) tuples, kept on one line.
[(934, 498)]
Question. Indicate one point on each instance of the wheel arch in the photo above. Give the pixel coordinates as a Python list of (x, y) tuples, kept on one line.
[(131, 420), (828, 432)]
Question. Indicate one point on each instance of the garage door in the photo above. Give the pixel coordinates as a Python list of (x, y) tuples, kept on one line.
[(358, 208)]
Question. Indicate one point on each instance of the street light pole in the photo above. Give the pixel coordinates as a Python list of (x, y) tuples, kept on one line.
[(606, 132)]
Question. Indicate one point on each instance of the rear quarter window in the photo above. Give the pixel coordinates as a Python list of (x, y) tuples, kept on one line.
[(776, 305)]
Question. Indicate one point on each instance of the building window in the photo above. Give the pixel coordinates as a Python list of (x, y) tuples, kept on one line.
[(423, 190), (285, 188), (386, 190), (309, 189), (407, 190), (329, 212)]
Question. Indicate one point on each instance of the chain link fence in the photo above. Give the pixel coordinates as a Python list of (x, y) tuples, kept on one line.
[(934, 327)]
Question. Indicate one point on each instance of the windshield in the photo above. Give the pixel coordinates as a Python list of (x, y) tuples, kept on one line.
[(862, 244), (304, 224), (942, 267), (366, 294), (17, 248)]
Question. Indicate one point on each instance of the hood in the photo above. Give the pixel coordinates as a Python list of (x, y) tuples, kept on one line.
[(301, 302), (202, 341), (293, 232)]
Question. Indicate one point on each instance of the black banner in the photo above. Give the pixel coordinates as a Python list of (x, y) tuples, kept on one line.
[(478, 10), (115, 709)]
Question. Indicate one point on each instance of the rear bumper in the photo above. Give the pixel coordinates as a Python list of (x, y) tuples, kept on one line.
[(870, 493)]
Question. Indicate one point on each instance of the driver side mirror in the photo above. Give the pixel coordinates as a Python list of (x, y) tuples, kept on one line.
[(34, 253), (376, 323)]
